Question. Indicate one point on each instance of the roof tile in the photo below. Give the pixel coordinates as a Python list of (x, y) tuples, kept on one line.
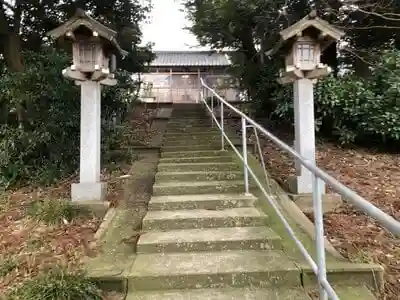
[(189, 58)]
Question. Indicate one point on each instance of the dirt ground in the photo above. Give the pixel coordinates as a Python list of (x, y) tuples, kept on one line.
[(373, 175), (27, 245)]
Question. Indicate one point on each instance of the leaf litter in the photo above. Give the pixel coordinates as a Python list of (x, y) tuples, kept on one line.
[(28, 246)]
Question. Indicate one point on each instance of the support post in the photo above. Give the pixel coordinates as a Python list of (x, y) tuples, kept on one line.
[(244, 146), (304, 142), (199, 84), (319, 234), (170, 86), (212, 111), (222, 126), (89, 187)]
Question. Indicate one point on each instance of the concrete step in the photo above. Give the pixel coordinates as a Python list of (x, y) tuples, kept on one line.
[(164, 271), (206, 201), (185, 134), (188, 124), (212, 239), (211, 146), (195, 129), (201, 159), (188, 120), (164, 188), (172, 154), (193, 122), (204, 167), (199, 142), (353, 292), (194, 137), (223, 294), (203, 218), (196, 159), (199, 134), (199, 176), (206, 124)]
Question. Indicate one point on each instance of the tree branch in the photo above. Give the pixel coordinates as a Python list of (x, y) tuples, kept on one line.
[(379, 15)]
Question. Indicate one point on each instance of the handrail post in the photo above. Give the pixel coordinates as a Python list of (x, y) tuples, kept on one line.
[(319, 234), (222, 126), (244, 146), (212, 110)]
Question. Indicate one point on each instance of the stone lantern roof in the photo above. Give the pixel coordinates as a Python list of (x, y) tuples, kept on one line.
[(81, 19), (324, 32)]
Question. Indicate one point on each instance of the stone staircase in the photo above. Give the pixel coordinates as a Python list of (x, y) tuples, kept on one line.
[(203, 238)]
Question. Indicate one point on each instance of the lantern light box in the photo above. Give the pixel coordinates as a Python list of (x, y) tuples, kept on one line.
[(302, 44), (94, 48)]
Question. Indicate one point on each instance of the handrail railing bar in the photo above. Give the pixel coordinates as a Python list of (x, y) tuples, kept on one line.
[(386, 220), (332, 294)]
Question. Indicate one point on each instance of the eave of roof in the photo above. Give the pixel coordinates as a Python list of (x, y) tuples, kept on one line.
[(82, 19), (190, 59)]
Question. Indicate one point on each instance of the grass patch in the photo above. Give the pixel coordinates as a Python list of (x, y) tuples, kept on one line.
[(57, 284), (362, 256), (34, 244), (7, 265), (4, 202), (55, 211)]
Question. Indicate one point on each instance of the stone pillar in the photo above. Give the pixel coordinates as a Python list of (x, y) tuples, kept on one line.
[(304, 133), (89, 187)]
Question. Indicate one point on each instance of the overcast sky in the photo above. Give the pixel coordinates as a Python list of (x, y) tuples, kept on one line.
[(166, 27)]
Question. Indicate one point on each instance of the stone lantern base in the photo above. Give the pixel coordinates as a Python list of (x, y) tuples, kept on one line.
[(88, 191), (304, 201)]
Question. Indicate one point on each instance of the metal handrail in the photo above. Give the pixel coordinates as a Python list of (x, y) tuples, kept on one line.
[(319, 269), (352, 197)]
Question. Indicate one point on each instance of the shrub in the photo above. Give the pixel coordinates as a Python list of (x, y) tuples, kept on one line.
[(51, 211), (47, 146), (57, 284), (353, 109), (7, 265)]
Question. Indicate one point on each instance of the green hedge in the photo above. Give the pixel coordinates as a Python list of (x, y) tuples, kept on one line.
[(47, 146)]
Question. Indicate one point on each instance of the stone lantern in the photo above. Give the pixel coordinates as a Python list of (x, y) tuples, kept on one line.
[(94, 50), (302, 45)]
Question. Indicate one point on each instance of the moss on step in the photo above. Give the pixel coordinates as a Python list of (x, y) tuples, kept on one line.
[(203, 159), (223, 294), (111, 267), (117, 246), (205, 201), (213, 269), (204, 167), (197, 187), (191, 219), (209, 239), (173, 154), (199, 176)]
